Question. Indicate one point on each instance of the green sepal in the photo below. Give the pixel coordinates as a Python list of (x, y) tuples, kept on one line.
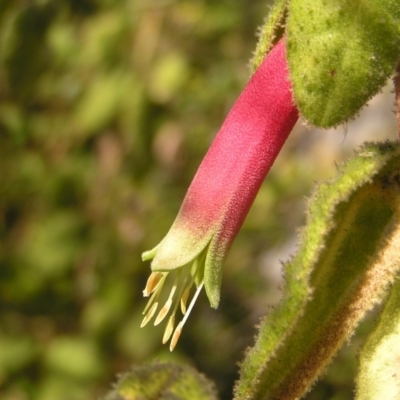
[(163, 381), (213, 271), (340, 54), (149, 254), (342, 269), (270, 32)]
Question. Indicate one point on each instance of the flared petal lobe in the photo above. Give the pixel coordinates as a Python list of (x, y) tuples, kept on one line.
[(230, 176)]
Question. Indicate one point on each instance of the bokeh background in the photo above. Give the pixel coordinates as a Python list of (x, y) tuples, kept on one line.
[(106, 109)]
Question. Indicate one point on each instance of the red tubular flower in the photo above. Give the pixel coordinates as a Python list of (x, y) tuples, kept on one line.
[(222, 193)]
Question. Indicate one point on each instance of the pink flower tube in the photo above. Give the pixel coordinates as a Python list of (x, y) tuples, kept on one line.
[(221, 194)]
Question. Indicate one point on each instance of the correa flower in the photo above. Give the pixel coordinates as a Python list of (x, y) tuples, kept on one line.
[(220, 196)]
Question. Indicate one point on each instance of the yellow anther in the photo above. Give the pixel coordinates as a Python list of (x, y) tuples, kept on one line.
[(175, 336), (152, 283), (149, 315), (169, 329)]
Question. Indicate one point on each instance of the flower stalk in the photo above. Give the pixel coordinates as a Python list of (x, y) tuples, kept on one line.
[(220, 195)]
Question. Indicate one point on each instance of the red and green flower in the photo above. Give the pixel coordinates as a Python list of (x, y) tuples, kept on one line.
[(191, 254)]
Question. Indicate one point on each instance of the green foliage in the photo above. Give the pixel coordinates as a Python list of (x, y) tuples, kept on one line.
[(163, 381), (26, 43), (340, 54), (379, 360), (347, 259)]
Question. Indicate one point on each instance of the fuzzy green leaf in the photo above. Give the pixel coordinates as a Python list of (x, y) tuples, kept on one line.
[(163, 381), (340, 54), (270, 32), (379, 360), (343, 268)]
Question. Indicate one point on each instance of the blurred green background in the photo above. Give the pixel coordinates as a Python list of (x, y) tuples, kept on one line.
[(106, 109)]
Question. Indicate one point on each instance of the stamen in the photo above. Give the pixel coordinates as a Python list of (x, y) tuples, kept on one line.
[(152, 283), (196, 295), (175, 336), (184, 299), (178, 330), (179, 295), (149, 315), (170, 326), (164, 311), (169, 329), (156, 293), (188, 286)]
